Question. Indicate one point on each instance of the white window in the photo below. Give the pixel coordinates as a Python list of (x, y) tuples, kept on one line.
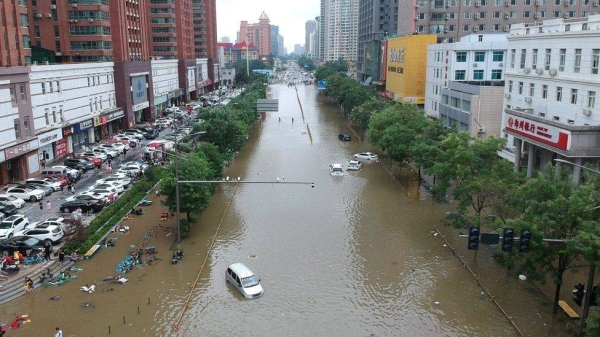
[(595, 60), (562, 59), (577, 66), (559, 94), (544, 91), (531, 89), (591, 99), (574, 96)]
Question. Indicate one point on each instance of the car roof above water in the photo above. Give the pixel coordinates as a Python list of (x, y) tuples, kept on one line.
[(241, 270)]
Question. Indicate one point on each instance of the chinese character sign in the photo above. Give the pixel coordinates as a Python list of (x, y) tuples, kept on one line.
[(541, 132)]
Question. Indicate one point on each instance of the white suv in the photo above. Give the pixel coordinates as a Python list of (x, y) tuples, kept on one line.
[(11, 225), (44, 232)]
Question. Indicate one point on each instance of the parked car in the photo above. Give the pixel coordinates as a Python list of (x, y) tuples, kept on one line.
[(117, 146), (13, 224), (345, 137), (107, 185), (178, 136), (92, 158), (120, 179), (47, 233), (23, 244), (80, 164), (26, 194), (61, 222), (152, 134), (366, 156), (93, 154), (95, 194), (144, 129), (109, 152), (8, 199), (130, 141), (132, 134), (44, 182), (85, 196), (354, 165), (8, 209), (336, 170), (47, 189), (73, 173), (70, 206), (244, 280)]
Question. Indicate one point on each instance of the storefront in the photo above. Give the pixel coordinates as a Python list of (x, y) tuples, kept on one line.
[(160, 104), (107, 124), (83, 134), (20, 161), (68, 140), (46, 143)]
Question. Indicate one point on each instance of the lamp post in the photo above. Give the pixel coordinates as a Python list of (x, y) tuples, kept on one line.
[(592, 272)]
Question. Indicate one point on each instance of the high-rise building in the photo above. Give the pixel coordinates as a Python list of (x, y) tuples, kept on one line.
[(451, 19), (339, 23), (298, 49), (310, 27), (318, 38), (376, 20), (258, 34), (280, 46), (275, 40), (15, 49), (204, 14)]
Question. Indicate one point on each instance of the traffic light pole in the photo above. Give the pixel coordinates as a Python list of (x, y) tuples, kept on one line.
[(588, 299)]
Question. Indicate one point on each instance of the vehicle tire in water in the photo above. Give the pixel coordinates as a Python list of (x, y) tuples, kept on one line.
[(32, 198), (66, 210)]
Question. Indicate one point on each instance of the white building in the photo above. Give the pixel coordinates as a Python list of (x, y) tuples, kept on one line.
[(464, 83), (73, 105), (228, 77), (203, 82), (339, 26), (165, 83), (552, 80)]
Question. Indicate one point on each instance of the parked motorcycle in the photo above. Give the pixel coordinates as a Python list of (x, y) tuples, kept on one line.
[(8, 266)]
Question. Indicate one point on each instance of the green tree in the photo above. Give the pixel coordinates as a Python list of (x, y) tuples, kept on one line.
[(554, 208), (192, 197), (214, 157), (361, 114), (426, 146), (394, 129)]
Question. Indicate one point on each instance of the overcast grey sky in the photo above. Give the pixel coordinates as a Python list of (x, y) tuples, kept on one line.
[(289, 15)]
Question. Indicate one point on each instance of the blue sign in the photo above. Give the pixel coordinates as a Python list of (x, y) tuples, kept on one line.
[(82, 126), (138, 89), (321, 85)]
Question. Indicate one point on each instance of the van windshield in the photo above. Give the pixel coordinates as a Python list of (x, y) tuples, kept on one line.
[(250, 281)]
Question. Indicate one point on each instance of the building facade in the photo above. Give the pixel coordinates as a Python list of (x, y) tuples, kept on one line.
[(406, 67), (376, 20), (478, 59), (275, 40), (339, 29), (310, 29), (258, 34), (16, 50), (550, 108), (451, 19)]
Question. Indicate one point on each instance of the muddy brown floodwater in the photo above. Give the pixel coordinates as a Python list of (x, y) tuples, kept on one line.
[(352, 256)]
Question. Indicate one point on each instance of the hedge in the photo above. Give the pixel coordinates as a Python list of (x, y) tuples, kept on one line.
[(115, 212)]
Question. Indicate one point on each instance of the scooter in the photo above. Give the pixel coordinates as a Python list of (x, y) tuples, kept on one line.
[(10, 266)]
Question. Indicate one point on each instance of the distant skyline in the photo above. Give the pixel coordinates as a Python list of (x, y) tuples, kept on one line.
[(284, 14)]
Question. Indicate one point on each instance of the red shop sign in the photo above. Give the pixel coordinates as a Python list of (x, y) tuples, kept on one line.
[(60, 148)]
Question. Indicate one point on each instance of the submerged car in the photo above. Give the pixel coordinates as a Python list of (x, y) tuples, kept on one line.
[(354, 165), (366, 156), (345, 137), (244, 280), (336, 170)]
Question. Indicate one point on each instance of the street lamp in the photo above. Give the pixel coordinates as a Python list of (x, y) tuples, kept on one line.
[(592, 273)]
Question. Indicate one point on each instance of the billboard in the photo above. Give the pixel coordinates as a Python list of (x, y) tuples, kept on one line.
[(139, 90)]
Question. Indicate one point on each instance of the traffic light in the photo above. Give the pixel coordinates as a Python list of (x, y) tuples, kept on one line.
[(473, 238), (594, 297), (508, 237), (525, 241), (579, 293)]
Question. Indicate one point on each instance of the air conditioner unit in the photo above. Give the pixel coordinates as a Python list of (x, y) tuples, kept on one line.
[(46, 63), (52, 6), (507, 15), (526, 70), (49, 15), (587, 112), (74, 5), (505, 28), (474, 65), (446, 31), (565, 15), (447, 4), (477, 3), (507, 3), (38, 15), (552, 71), (476, 16), (35, 63), (595, 3), (481, 129), (566, 2), (507, 95), (475, 29), (537, 2), (90, 20), (536, 16), (527, 99), (500, 64), (539, 71)]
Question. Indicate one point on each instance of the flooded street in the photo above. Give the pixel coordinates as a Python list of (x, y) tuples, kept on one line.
[(353, 256)]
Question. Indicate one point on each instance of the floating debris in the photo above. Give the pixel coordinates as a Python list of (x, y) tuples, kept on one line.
[(55, 298), (87, 305)]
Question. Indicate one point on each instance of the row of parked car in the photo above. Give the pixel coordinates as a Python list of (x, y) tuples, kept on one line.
[(16, 232)]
